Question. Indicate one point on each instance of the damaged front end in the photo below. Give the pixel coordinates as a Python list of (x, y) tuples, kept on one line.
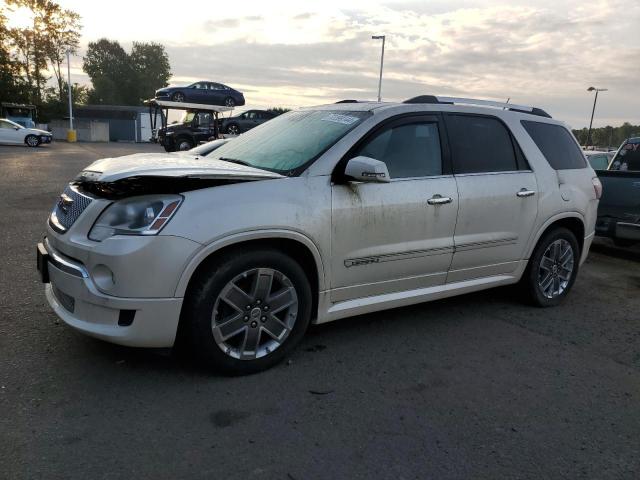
[(147, 185)]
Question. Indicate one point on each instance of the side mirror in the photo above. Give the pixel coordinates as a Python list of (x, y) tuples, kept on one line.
[(365, 169), (16, 128)]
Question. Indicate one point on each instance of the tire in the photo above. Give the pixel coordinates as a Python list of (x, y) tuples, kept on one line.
[(207, 312), (233, 129), (183, 143), (167, 148), (559, 251), (32, 141), (177, 97), (229, 102)]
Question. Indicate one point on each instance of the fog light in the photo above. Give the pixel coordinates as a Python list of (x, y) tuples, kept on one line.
[(103, 277)]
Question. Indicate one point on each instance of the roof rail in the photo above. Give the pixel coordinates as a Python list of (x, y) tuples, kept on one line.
[(432, 99)]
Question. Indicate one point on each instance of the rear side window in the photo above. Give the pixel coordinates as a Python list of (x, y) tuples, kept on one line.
[(556, 144), (480, 144), (409, 150)]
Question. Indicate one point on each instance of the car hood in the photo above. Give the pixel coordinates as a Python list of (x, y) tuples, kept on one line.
[(37, 131), (167, 165)]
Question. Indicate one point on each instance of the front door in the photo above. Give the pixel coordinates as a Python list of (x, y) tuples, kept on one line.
[(395, 236), (498, 197), (9, 134)]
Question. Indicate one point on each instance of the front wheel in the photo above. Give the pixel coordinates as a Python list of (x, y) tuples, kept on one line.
[(247, 311), (178, 97), (183, 144), (552, 268), (32, 141)]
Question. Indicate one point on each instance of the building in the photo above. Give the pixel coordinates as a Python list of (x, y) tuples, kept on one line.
[(113, 123)]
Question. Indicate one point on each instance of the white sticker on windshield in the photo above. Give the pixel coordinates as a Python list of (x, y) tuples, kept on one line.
[(337, 118)]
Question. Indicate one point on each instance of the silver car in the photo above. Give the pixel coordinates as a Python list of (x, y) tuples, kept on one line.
[(320, 214)]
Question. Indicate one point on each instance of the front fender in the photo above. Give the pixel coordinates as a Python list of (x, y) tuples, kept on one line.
[(240, 237)]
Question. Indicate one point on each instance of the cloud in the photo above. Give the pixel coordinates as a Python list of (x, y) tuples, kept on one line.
[(544, 53)]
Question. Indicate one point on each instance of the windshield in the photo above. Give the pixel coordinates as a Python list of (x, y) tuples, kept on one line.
[(188, 117), (628, 157), (292, 140)]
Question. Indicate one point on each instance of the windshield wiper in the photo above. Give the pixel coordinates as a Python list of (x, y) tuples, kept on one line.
[(236, 161)]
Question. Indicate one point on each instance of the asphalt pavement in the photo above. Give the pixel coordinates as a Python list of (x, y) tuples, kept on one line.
[(474, 387)]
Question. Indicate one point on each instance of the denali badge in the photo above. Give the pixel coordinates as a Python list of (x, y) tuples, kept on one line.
[(64, 202)]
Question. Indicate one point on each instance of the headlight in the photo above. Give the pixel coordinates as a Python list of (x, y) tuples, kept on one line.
[(145, 215)]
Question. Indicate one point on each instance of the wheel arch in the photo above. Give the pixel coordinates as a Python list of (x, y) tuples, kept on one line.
[(573, 221), (298, 246)]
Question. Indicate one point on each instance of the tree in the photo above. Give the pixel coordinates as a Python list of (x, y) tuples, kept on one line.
[(53, 31), (151, 64), (121, 78), (63, 33), (109, 69), (11, 84)]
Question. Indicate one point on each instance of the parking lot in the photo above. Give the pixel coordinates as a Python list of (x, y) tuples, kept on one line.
[(479, 386)]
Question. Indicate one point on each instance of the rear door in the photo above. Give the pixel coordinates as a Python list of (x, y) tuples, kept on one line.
[(395, 236), (498, 197)]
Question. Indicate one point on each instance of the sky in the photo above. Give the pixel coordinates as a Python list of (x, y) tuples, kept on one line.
[(544, 53)]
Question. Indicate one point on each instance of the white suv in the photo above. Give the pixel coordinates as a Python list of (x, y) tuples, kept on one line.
[(319, 214)]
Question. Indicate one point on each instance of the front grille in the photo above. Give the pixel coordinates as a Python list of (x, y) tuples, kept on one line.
[(67, 301), (68, 208)]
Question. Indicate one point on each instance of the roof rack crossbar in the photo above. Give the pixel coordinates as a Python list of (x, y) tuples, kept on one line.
[(474, 101)]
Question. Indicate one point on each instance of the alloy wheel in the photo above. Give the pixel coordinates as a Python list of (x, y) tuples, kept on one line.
[(254, 313), (229, 102), (555, 269), (234, 130), (32, 141), (178, 97), (184, 145)]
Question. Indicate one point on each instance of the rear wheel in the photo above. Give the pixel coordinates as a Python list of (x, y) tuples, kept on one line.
[(32, 141), (552, 268), (246, 312)]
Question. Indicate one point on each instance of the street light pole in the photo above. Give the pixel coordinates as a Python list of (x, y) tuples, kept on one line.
[(380, 37), (595, 99), (71, 134)]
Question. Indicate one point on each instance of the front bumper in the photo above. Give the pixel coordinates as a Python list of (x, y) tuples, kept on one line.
[(136, 322)]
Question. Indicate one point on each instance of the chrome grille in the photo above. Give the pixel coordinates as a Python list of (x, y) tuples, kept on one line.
[(68, 208)]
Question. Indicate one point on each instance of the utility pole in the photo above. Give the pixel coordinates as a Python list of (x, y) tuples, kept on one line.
[(380, 37)]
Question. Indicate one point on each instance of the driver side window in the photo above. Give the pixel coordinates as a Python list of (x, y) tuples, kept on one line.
[(409, 150)]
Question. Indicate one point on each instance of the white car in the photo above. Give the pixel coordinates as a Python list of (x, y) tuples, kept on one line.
[(319, 214), (14, 133)]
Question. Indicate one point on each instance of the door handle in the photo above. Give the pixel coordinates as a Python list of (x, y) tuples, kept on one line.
[(525, 193), (439, 200)]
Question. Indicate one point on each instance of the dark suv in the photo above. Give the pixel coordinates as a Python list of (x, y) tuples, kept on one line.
[(245, 121), (195, 127)]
